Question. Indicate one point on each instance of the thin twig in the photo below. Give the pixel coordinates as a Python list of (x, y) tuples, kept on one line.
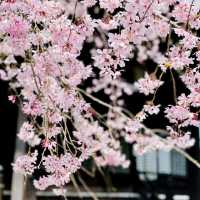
[(146, 11), (87, 188), (154, 95), (188, 17), (186, 155), (179, 150), (174, 86), (73, 17), (98, 100), (89, 173), (174, 24), (35, 80), (76, 185)]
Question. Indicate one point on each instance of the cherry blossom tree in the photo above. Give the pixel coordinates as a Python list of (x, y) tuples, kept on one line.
[(41, 43)]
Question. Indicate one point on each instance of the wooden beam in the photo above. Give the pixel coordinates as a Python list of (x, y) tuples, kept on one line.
[(19, 189), (1, 183)]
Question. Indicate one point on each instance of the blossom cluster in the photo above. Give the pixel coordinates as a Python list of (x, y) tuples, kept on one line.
[(41, 44)]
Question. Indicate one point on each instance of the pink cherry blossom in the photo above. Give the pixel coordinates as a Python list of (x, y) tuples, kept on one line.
[(26, 132), (182, 116), (183, 141), (25, 164), (12, 98), (43, 46), (147, 85), (110, 5)]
